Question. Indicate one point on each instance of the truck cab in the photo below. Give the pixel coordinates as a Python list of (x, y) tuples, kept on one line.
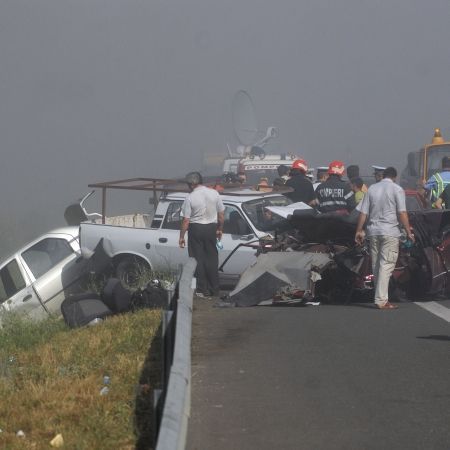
[(422, 164), (246, 220), (256, 167)]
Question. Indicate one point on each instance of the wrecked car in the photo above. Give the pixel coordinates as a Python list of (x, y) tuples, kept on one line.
[(343, 272), (35, 280)]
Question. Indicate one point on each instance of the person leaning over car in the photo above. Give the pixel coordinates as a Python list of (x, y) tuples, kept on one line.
[(203, 217), (383, 207), (303, 190)]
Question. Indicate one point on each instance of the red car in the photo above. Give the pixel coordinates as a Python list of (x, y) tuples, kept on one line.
[(416, 201), (423, 269)]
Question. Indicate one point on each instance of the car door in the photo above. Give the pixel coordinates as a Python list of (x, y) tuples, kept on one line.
[(55, 269), (167, 254), (236, 231), (18, 295)]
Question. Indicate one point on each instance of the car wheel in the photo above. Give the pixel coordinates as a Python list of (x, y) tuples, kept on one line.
[(130, 270)]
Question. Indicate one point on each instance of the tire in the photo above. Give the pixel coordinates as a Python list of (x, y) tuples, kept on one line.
[(129, 271)]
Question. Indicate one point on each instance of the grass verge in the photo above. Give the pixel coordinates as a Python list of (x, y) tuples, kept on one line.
[(51, 377)]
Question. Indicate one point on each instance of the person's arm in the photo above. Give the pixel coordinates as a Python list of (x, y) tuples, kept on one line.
[(186, 216), (220, 221), (360, 234), (312, 197), (350, 200), (430, 184), (220, 217), (438, 203), (183, 229), (404, 220), (402, 214)]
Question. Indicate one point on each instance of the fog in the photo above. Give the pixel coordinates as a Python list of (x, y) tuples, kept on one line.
[(96, 90)]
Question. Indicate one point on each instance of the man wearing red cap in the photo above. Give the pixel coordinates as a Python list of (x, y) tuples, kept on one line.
[(303, 190), (335, 195)]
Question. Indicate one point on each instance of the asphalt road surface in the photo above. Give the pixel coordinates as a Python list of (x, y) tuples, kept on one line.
[(324, 377)]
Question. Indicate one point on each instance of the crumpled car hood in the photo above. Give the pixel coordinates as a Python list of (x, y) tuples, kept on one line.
[(274, 270)]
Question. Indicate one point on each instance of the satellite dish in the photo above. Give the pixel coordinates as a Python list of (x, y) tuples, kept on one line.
[(244, 119)]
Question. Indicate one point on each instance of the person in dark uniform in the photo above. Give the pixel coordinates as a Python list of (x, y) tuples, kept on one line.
[(303, 190), (335, 195)]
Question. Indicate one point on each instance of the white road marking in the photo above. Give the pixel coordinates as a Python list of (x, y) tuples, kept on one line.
[(436, 309)]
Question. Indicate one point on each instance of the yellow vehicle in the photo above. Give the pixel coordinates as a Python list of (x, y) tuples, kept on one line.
[(422, 164)]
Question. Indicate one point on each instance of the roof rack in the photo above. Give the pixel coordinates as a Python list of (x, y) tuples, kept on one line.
[(154, 185), (167, 185)]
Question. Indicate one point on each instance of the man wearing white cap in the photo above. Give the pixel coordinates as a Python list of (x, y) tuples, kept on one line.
[(378, 173)]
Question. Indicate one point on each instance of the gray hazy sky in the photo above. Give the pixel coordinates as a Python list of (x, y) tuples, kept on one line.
[(94, 90)]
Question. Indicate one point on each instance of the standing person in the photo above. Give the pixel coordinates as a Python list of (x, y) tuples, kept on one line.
[(443, 202), (439, 181), (356, 185), (383, 207), (335, 195), (283, 176), (283, 172), (303, 190), (203, 217), (321, 176), (378, 173), (353, 172)]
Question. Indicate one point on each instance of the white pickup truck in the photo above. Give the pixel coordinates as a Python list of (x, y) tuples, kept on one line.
[(156, 246)]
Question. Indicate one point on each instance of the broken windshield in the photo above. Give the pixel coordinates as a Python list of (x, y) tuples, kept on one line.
[(260, 216)]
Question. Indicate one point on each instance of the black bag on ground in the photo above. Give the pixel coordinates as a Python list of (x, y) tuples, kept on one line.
[(152, 296), (80, 309), (116, 297)]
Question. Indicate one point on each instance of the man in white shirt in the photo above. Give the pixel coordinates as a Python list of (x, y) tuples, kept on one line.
[(383, 207), (203, 217)]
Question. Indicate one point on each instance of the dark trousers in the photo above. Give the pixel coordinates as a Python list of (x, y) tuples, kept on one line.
[(202, 247)]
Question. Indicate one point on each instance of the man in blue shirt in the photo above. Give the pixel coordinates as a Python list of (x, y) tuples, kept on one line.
[(439, 181)]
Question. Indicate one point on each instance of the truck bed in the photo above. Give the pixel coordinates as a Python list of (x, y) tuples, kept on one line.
[(136, 220)]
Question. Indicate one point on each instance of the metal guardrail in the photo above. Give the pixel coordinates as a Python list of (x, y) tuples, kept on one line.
[(177, 331)]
